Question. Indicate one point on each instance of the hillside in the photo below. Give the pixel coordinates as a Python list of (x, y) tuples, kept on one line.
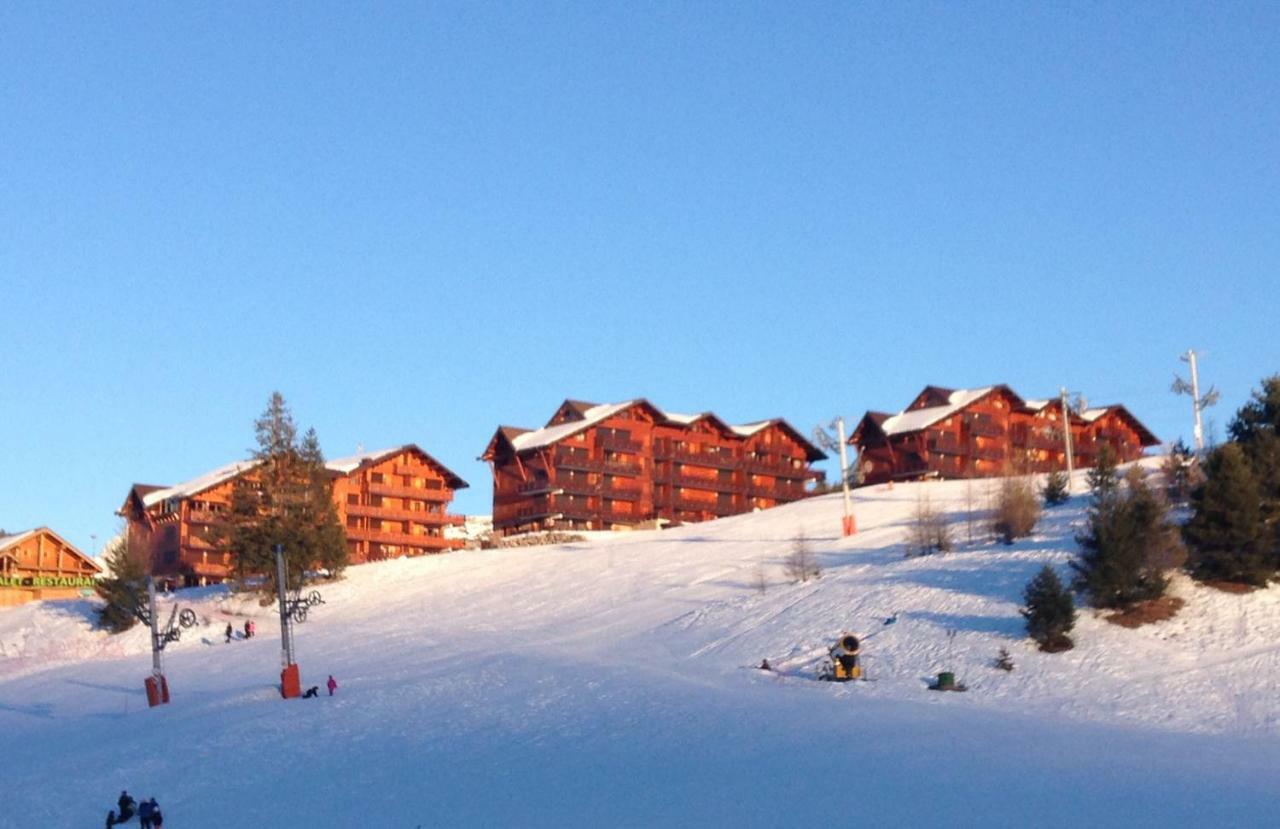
[(611, 680)]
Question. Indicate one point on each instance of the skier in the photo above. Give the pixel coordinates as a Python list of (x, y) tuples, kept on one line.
[(229, 631), (111, 819), (144, 814), (313, 691), (248, 629), (332, 684), (126, 805), (157, 819)]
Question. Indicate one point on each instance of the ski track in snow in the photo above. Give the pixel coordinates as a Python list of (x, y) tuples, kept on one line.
[(612, 681)]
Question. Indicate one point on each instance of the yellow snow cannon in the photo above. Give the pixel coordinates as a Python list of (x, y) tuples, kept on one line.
[(845, 664)]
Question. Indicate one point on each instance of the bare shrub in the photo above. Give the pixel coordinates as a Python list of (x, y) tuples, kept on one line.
[(801, 565), (1017, 509), (929, 531)]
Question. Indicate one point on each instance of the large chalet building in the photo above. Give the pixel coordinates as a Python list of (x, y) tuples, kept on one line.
[(392, 503), (621, 465), (40, 564), (978, 433)]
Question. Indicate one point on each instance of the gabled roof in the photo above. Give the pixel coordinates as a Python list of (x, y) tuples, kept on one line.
[(916, 419), (197, 485), (1145, 436), (349, 464), (811, 452), (548, 435), (9, 541)]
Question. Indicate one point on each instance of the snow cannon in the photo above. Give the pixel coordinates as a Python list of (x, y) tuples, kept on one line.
[(845, 665)]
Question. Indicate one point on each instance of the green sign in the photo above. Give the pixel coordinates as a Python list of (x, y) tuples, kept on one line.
[(46, 581)]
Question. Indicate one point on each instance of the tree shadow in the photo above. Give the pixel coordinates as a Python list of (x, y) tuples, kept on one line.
[(1011, 626), (121, 689), (993, 580), (42, 710)]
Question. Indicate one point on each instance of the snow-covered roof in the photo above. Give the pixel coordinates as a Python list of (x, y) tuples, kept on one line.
[(551, 434), (913, 421), (746, 430), (1038, 404), (352, 462), (1090, 415), (200, 484), (10, 540)]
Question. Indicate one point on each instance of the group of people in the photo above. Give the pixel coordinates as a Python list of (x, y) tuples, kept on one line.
[(314, 690), (250, 630), (148, 813)]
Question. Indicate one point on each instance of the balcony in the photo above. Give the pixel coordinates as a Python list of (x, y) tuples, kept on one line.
[(426, 473), (617, 444), (412, 492), (715, 460), (699, 482), (420, 516), (398, 539), (567, 459), (533, 487), (204, 516), (984, 426), (621, 492), (945, 446), (631, 470), (775, 466), (987, 453)]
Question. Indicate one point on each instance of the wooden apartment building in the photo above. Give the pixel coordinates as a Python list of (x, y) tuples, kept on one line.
[(40, 564), (977, 433), (619, 465), (392, 503)]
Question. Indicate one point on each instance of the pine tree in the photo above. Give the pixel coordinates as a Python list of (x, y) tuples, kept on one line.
[(124, 588), (1124, 546), (1181, 472), (1260, 414), (1055, 489), (286, 500), (1225, 532), (1049, 611)]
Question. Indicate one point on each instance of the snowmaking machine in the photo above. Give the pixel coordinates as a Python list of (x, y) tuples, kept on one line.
[(845, 664)]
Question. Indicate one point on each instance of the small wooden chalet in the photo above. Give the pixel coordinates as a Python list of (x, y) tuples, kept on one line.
[(623, 465), (978, 433), (40, 564), (392, 502)]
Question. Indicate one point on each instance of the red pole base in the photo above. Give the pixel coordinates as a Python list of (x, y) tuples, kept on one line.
[(290, 682), (157, 690), (849, 525)]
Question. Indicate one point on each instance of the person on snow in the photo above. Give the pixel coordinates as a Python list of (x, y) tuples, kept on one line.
[(126, 805), (332, 684), (229, 631), (253, 628), (144, 814), (313, 691), (157, 819), (111, 819), (248, 629)]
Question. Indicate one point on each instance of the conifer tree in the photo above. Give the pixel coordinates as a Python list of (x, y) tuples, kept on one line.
[(1225, 532), (1256, 427), (286, 500), (1055, 489), (124, 588), (1049, 611), (1118, 563)]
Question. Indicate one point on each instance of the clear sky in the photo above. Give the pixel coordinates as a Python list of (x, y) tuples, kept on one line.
[(421, 221)]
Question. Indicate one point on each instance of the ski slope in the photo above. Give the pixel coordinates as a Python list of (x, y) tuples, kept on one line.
[(612, 681)]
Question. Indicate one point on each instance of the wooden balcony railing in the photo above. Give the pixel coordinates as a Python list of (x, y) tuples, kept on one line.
[(420, 516), (984, 426), (716, 460), (945, 446), (773, 466), (399, 539), (413, 492), (425, 472), (617, 444)]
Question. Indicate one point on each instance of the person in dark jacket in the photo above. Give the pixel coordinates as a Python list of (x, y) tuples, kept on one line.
[(157, 819), (144, 814), (126, 805), (111, 819), (248, 629), (229, 632)]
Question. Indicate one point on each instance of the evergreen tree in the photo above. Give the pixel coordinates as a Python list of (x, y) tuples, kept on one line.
[(286, 500), (1121, 552), (124, 588), (1256, 427), (1260, 414), (1055, 489), (1225, 532), (1049, 611), (1181, 472)]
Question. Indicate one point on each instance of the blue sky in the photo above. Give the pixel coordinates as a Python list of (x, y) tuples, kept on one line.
[(421, 221)]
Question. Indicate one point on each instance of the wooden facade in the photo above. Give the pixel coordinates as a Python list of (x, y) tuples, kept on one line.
[(392, 503), (40, 564), (979, 433), (622, 465)]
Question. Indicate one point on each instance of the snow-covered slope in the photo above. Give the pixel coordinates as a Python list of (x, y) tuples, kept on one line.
[(611, 681)]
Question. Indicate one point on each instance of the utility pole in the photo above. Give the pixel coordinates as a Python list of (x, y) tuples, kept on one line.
[(850, 525), (290, 683), (1066, 435), (1198, 403)]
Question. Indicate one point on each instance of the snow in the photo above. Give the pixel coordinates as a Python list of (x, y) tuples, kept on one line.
[(350, 463), (918, 419), (611, 682), (199, 484)]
